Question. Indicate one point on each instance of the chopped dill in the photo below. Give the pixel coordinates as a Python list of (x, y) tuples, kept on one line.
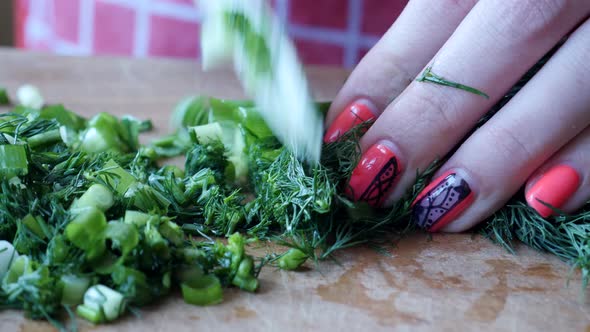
[(239, 181)]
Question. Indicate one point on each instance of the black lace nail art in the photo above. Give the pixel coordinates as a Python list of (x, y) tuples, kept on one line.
[(443, 202), (382, 183)]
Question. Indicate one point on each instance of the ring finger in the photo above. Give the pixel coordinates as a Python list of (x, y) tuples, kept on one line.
[(496, 160)]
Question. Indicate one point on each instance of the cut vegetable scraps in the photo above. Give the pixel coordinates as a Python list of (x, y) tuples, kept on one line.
[(107, 228), (246, 32), (88, 219), (4, 99)]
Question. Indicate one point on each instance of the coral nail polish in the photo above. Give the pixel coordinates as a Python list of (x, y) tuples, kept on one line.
[(442, 201), (355, 114), (555, 188), (373, 178)]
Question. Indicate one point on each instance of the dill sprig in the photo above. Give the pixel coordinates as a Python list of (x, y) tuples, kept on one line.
[(429, 76), (565, 236), (4, 99)]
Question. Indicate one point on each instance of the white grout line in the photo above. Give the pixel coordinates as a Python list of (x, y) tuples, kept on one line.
[(141, 28), (166, 9), (355, 17), (323, 35), (67, 48), (36, 27), (86, 26), (368, 41), (129, 4), (182, 12)]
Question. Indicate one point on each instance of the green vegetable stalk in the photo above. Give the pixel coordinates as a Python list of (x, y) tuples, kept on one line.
[(93, 212)]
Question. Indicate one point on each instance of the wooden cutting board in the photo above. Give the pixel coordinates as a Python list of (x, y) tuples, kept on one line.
[(447, 283)]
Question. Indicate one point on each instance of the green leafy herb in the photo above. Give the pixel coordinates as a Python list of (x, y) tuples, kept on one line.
[(4, 99), (429, 76), (91, 212)]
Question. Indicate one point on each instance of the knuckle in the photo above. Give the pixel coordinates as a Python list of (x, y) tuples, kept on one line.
[(434, 110), (529, 17), (508, 144), (463, 4)]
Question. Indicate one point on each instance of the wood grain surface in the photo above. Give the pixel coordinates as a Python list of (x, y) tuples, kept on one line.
[(445, 283)]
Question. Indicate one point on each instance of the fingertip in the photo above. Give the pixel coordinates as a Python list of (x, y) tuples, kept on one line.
[(357, 112), (446, 198), (553, 188)]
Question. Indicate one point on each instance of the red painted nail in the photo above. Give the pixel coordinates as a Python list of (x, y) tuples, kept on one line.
[(355, 114), (442, 201), (373, 178), (555, 188)]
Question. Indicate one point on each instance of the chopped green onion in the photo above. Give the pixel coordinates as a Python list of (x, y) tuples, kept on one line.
[(249, 284), (264, 58), (69, 136), (90, 314), (36, 225), (124, 236), (47, 137), (73, 289), (7, 256), (155, 240), (134, 284), (97, 196), (137, 218), (20, 266), (205, 290), (101, 303), (172, 232), (208, 132), (117, 177), (57, 250), (189, 272), (190, 111), (85, 231), (103, 135), (244, 278), (4, 99), (63, 116), (29, 96), (13, 161), (292, 259), (235, 245)]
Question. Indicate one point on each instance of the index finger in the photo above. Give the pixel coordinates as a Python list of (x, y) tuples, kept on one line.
[(416, 36)]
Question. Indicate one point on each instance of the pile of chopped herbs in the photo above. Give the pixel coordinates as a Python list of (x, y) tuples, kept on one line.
[(94, 223)]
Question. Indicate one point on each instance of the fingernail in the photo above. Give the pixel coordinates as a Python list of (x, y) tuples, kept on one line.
[(442, 201), (555, 188), (373, 178), (356, 113)]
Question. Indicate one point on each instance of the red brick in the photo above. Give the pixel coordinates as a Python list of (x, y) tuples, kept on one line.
[(174, 38), (318, 53), (66, 22), (361, 53), (321, 13), (379, 15), (113, 29)]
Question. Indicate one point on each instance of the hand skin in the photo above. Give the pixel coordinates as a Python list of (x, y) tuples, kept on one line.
[(540, 139)]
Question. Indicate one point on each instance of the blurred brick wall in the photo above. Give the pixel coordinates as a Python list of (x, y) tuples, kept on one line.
[(331, 32)]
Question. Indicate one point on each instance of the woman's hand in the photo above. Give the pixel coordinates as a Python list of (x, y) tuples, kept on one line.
[(541, 137)]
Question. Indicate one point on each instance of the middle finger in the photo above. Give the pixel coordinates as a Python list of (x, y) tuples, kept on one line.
[(492, 48)]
